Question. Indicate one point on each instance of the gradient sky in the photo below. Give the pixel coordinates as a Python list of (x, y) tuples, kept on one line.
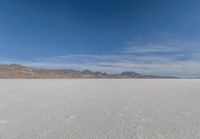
[(146, 36)]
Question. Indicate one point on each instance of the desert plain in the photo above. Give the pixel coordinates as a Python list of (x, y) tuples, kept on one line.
[(100, 109)]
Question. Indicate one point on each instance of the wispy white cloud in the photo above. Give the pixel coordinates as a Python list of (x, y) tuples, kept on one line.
[(150, 48)]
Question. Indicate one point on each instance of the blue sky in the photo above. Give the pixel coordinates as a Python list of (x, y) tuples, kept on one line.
[(147, 36)]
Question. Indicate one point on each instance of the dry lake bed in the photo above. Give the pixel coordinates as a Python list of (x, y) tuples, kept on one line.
[(100, 109)]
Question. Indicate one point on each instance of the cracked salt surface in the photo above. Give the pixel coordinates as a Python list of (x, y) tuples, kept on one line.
[(100, 109)]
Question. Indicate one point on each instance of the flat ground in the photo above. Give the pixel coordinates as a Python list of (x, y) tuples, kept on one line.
[(101, 108)]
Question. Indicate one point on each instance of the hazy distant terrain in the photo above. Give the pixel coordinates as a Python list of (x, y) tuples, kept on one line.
[(15, 71), (100, 109)]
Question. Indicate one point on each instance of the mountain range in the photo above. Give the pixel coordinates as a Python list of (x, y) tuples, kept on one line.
[(16, 71)]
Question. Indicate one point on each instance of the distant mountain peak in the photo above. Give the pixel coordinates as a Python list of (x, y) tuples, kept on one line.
[(130, 74), (16, 65)]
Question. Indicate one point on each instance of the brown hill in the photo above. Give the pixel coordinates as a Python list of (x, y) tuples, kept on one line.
[(15, 71)]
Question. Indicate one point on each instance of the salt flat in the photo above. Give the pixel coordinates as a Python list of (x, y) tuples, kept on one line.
[(100, 109)]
